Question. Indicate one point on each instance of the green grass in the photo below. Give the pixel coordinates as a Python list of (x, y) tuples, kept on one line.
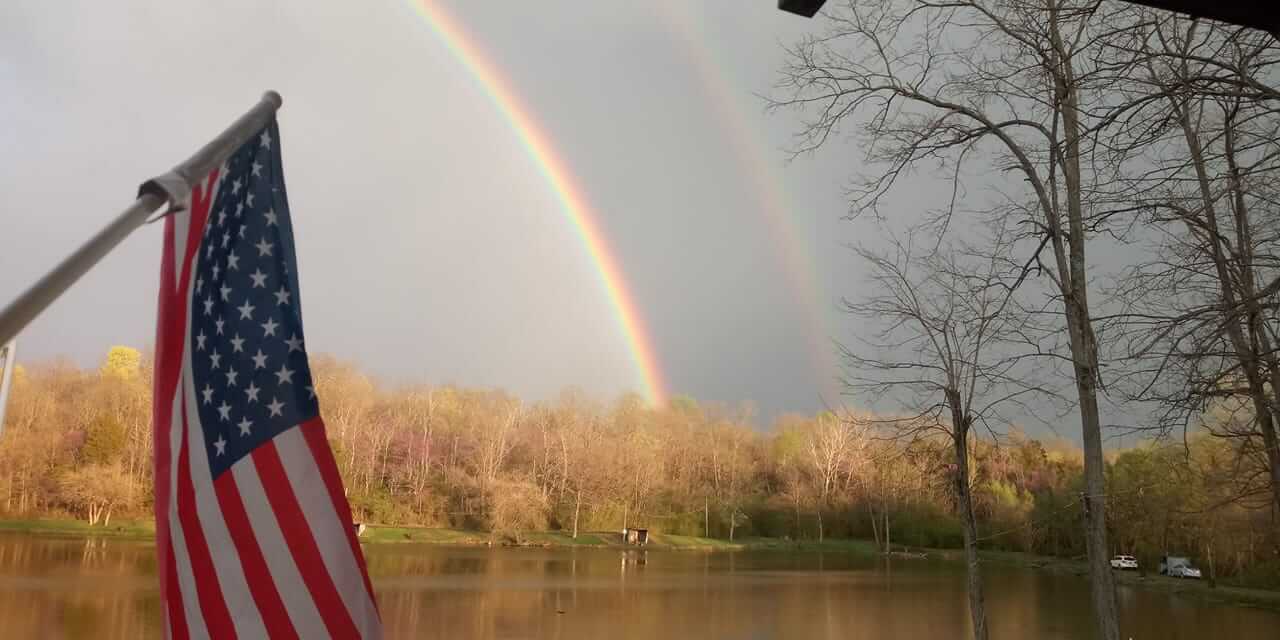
[(863, 547), (118, 528), (602, 539), (423, 535)]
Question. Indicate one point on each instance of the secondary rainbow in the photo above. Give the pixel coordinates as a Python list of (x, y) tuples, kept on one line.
[(793, 245), (576, 208)]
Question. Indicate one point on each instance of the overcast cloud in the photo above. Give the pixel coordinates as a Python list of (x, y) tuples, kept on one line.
[(430, 248)]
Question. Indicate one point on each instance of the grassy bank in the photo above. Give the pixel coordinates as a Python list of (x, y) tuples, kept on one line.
[(118, 529), (604, 540)]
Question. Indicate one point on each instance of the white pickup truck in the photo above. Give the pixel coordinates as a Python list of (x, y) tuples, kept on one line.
[(1178, 567)]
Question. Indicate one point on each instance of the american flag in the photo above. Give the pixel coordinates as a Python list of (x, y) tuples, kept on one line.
[(254, 533)]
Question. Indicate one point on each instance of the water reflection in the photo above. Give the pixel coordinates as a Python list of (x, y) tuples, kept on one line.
[(76, 588)]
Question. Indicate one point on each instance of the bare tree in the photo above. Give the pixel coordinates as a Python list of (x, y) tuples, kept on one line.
[(966, 82), (1199, 314), (494, 444), (579, 443), (98, 489), (943, 353), (830, 443)]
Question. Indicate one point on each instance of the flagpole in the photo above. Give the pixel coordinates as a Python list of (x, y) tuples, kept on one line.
[(170, 188), (8, 361)]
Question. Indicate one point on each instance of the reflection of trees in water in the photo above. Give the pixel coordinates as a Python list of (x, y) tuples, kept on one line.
[(77, 588), (572, 594), (70, 589)]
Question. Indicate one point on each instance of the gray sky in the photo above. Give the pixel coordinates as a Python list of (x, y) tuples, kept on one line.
[(430, 247)]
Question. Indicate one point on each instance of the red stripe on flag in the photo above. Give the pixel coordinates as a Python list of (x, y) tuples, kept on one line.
[(212, 605), (171, 324), (258, 576), (169, 584), (314, 432), (302, 546), (162, 424)]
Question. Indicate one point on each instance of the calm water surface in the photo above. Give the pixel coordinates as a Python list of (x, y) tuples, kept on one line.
[(75, 588)]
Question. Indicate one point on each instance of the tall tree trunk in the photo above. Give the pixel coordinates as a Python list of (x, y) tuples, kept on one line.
[(1260, 341), (960, 439), (706, 517), (1246, 352), (799, 529), (577, 506), (875, 524), (888, 545), (1084, 348)]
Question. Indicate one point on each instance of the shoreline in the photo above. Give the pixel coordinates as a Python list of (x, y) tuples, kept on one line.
[(1201, 590)]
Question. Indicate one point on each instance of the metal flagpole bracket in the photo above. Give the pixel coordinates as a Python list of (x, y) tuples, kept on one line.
[(170, 188), (175, 185), (8, 362)]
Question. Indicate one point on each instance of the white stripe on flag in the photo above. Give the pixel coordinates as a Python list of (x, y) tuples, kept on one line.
[(181, 222), (226, 560), (187, 583), (328, 529), (181, 559), (293, 590)]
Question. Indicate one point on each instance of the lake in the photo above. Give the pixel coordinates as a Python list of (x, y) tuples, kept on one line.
[(70, 588)]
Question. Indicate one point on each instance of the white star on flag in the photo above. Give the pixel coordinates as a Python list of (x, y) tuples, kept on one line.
[(259, 278)]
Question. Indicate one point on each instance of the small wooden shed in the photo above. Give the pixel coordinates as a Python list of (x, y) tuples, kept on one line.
[(639, 537)]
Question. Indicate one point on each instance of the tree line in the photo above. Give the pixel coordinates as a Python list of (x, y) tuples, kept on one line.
[(77, 444)]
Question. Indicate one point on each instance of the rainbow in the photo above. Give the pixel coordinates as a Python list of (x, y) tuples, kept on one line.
[(795, 254), (573, 200)]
